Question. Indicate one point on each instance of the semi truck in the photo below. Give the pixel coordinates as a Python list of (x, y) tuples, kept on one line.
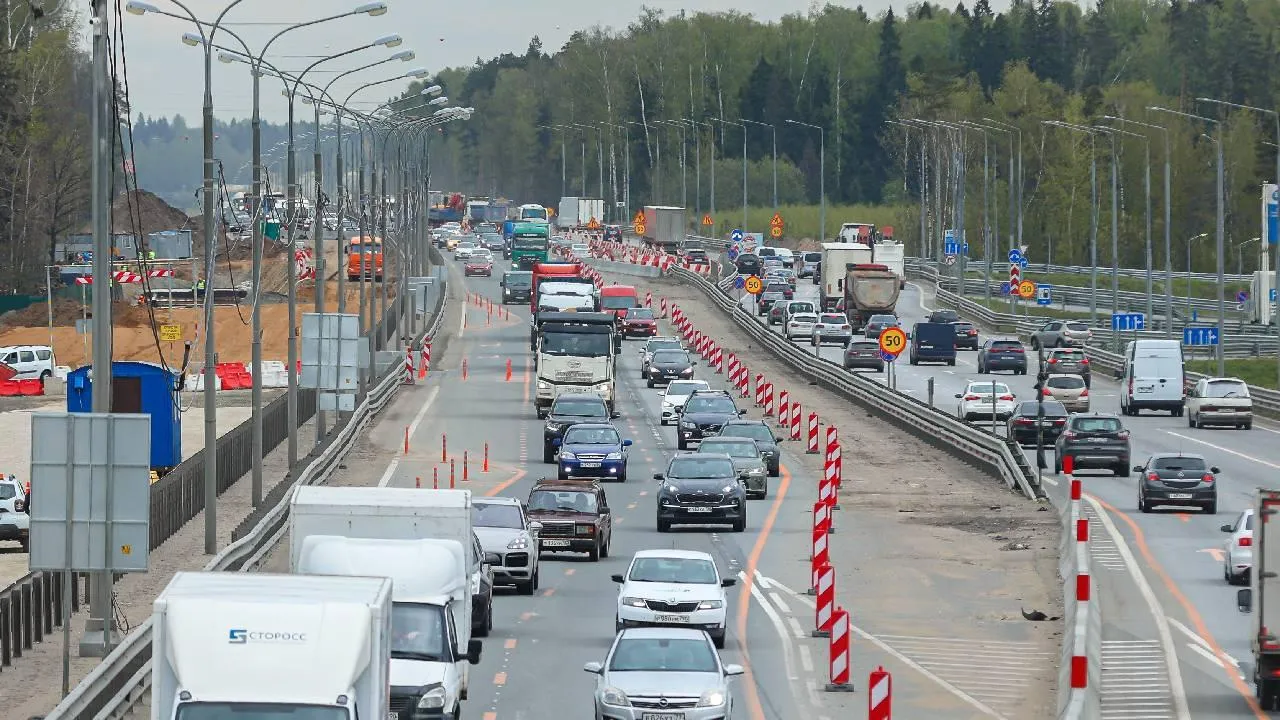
[(664, 227), (1262, 600), (862, 233), (445, 208), (227, 644), (837, 258), (575, 353), (477, 209), (869, 289), (576, 213)]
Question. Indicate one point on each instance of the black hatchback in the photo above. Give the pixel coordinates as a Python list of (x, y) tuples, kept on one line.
[(1001, 355), (1025, 424), (966, 335), (668, 365), (748, 264), (1177, 479)]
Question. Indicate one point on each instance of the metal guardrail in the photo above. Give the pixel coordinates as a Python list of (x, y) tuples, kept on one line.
[(122, 680)]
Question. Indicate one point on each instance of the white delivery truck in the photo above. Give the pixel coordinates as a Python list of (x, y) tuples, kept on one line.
[(224, 643), (430, 594), (836, 261), (892, 255)]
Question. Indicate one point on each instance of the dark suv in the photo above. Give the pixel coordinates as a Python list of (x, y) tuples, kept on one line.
[(1002, 355), (1177, 479), (700, 489), (943, 316), (1094, 441), (1067, 361), (966, 335), (569, 410), (703, 415), (762, 434)]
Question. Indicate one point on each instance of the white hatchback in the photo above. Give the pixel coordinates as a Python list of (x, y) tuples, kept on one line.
[(676, 395), (29, 362), (985, 399), (673, 588), (800, 325), (15, 521), (1237, 555)]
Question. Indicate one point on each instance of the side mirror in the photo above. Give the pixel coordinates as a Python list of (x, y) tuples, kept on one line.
[(556, 442), (492, 559), (1244, 600), (1226, 528), (473, 651), (958, 396), (626, 443), (728, 582), (594, 668), (741, 413), (1215, 470), (657, 476), (731, 670), (693, 364), (535, 526), (617, 577), (777, 438), (614, 415), (1137, 468)]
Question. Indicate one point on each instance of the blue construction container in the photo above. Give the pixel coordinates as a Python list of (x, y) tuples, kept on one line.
[(138, 387)]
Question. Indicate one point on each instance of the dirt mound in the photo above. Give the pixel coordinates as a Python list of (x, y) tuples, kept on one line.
[(131, 316), (141, 210), (65, 313)]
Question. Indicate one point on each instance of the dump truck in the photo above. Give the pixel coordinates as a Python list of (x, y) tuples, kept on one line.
[(869, 289), (664, 227), (837, 258)]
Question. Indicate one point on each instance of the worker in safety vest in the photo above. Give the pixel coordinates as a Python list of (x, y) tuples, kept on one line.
[(200, 285), (151, 254)]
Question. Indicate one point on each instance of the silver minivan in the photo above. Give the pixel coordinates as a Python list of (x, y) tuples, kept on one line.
[(1153, 377)]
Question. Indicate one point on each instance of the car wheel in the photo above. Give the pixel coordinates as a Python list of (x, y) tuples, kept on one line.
[(1143, 506), (663, 525), (982, 369), (764, 492), (617, 625), (649, 382), (775, 470), (1120, 470), (483, 630), (525, 588), (1248, 425), (1059, 343), (1211, 507), (952, 362), (681, 444), (740, 524), (604, 549), (1035, 344), (718, 640), (594, 553), (548, 454), (1192, 421)]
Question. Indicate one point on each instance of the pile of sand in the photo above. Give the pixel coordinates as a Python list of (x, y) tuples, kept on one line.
[(141, 210), (65, 314)]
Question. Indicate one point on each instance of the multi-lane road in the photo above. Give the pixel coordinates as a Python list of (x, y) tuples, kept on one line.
[(1161, 573)]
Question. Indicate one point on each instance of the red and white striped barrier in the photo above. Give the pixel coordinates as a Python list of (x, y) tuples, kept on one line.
[(784, 409), (744, 382), (824, 609), (717, 359), (648, 299), (732, 377), (426, 360), (124, 276), (662, 305), (819, 550), (796, 412), (831, 465), (838, 653), (759, 390), (880, 695), (827, 496), (768, 399), (408, 366), (833, 435), (812, 445)]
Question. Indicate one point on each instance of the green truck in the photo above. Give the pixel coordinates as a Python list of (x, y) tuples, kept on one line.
[(530, 244)]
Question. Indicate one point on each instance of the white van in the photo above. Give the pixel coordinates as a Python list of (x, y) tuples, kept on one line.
[(29, 361), (1153, 377)]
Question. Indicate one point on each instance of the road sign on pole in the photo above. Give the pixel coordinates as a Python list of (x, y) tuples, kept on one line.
[(1015, 257), (707, 221), (775, 232), (736, 235), (739, 282), (776, 221), (1026, 289), (1200, 336), (1242, 296), (638, 219), (893, 341), (1128, 321), (754, 285), (732, 253), (1044, 294)]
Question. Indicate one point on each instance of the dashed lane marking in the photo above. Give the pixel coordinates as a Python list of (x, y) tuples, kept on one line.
[(569, 571), (500, 679), (510, 644), (1135, 681)]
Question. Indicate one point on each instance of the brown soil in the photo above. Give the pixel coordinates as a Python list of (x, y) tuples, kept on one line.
[(139, 211), (65, 313)]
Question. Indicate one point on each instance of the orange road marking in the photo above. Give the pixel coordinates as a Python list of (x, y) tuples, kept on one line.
[(548, 592), (1215, 553), (754, 707), (510, 644), (500, 679), (568, 571), (497, 489), (490, 716)]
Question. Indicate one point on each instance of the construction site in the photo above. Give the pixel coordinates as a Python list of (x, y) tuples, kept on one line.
[(160, 331)]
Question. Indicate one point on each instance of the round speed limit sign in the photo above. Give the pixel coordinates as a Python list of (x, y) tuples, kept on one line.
[(893, 341), (754, 285)]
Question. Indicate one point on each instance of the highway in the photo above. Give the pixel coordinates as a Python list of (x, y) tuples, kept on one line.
[(1161, 573)]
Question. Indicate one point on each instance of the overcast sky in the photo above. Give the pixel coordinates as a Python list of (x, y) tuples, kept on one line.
[(165, 75)]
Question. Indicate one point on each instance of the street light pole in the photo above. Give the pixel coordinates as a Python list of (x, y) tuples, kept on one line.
[(822, 176), (773, 131)]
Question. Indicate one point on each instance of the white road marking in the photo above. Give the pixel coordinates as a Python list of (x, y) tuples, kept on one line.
[(390, 472), (1133, 681), (1201, 643), (780, 627), (806, 659), (1219, 448)]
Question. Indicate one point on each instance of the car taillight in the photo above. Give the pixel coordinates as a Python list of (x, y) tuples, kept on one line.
[(1025, 421), (1153, 476), (1059, 422), (1007, 398), (1048, 392), (1053, 361), (1130, 386), (1084, 392), (1068, 435), (1017, 350), (971, 398), (1084, 361), (973, 332), (845, 327), (1123, 434), (1246, 542), (1208, 477)]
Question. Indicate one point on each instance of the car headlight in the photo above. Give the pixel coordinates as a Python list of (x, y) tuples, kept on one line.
[(727, 489), (710, 604), (615, 697), (543, 386), (672, 489), (756, 471), (475, 584), (687, 371), (711, 698), (688, 425), (433, 699), (566, 455), (634, 602), (668, 407), (520, 543), (552, 427), (613, 456)]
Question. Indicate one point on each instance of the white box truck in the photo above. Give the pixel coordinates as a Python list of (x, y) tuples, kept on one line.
[(430, 594), (224, 643), (836, 259), (576, 213), (892, 255)]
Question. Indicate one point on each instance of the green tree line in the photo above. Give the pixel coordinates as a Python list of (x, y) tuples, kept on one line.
[(652, 91)]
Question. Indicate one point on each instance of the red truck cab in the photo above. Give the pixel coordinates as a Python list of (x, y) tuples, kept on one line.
[(551, 271), (614, 298)]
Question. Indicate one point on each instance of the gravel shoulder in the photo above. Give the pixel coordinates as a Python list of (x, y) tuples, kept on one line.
[(926, 545)]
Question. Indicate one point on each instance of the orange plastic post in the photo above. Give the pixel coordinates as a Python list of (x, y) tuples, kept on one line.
[(435, 478), (452, 474), (508, 369), (417, 482), (466, 467), (444, 447), (406, 439), (464, 368), (486, 458)]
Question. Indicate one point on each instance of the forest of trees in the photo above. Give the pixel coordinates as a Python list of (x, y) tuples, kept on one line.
[(851, 74)]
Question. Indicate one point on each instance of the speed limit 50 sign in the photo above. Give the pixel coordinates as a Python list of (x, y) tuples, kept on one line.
[(893, 341)]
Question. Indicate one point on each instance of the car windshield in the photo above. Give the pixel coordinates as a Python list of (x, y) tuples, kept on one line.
[(8, 492), (492, 238), (890, 319), (638, 313), (804, 318), (1185, 464), (1065, 382), (580, 408), (1052, 408), (496, 515), (518, 280), (777, 287), (833, 319), (962, 326), (692, 467), (685, 387), (576, 344), (671, 356), (417, 631), (663, 655), (656, 345), (1226, 389), (1097, 424), (863, 345), (682, 571), (812, 257), (1067, 355), (465, 245), (985, 388), (730, 448), (568, 500), (1077, 327), (716, 404), (755, 431), (591, 436), (1005, 345), (618, 302), (765, 252)]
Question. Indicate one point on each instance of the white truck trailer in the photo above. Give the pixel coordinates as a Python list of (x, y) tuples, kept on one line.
[(837, 258)]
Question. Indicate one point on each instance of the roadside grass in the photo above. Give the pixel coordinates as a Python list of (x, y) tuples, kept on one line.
[(1254, 371), (1203, 289)]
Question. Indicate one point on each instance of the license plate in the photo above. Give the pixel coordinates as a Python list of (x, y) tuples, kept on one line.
[(1179, 496), (925, 347), (555, 543), (662, 716), (575, 390), (393, 715), (699, 509), (589, 464), (671, 619), (1146, 388)]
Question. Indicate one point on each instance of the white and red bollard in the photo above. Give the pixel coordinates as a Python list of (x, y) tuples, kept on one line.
[(648, 299), (824, 609), (733, 371), (744, 374), (408, 366), (784, 409), (880, 695), (812, 445), (759, 390), (426, 360), (717, 359), (831, 473), (838, 648), (1079, 648), (819, 551), (662, 308), (796, 413), (768, 399), (833, 435)]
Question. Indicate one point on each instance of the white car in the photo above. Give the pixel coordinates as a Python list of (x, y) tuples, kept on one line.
[(673, 671), (1237, 556), (677, 393), (831, 327), (673, 588), (463, 250), (983, 399), (503, 529), (579, 250), (800, 325), (1220, 401), (15, 522), (29, 362)]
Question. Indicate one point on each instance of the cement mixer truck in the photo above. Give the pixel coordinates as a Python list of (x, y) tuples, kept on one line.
[(869, 289)]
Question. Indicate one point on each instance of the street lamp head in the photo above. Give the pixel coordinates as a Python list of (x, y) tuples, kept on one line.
[(439, 101), (403, 56), (417, 74), (135, 7), (432, 90), (372, 9), (389, 41), (445, 111), (228, 58), (192, 39)]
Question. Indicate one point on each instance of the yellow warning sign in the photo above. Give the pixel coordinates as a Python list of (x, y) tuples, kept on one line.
[(171, 333), (638, 219), (593, 224), (706, 220), (776, 220)]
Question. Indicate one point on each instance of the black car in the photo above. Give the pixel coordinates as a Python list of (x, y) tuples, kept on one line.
[(1177, 479), (568, 410), (697, 257), (749, 264), (493, 241), (966, 335), (762, 434), (943, 316), (704, 414), (517, 286), (668, 365), (863, 354), (877, 324), (612, 233), (1094, 441), (1001, 355), (1024, 424), (701, 489)]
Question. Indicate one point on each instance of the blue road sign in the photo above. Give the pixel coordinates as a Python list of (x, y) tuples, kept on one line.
[(1242, 296), (1015, 257), (739, 282), (733, 253), (1005, 289), (736, 235), (1200, 336), (1023, 263), (1128, 321), (1044, 294), (1273, 294), (887, 356)]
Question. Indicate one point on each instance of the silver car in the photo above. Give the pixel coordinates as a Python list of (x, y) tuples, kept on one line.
[(747, 460), (831, 328), (800, 325), (503, 529), (1069, 390), (1061, 333), (663, 673), (15, 522)]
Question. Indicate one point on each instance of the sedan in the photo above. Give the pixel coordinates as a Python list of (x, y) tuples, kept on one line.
[(800, 325), (1177, 479), (653, 345), (593, 450), (463, 249), (876, 324), (1069, 390), (1026, 426), (966, 335), (651, 670), (479, 266), (863, 354), (683, 588), (831, 328), (778, 312), (1002, 355), (985, 399), (668, 365), (1237, 552)]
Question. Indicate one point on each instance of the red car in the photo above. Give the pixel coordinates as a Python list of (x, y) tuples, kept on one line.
[(638, 322), (481, 266)]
